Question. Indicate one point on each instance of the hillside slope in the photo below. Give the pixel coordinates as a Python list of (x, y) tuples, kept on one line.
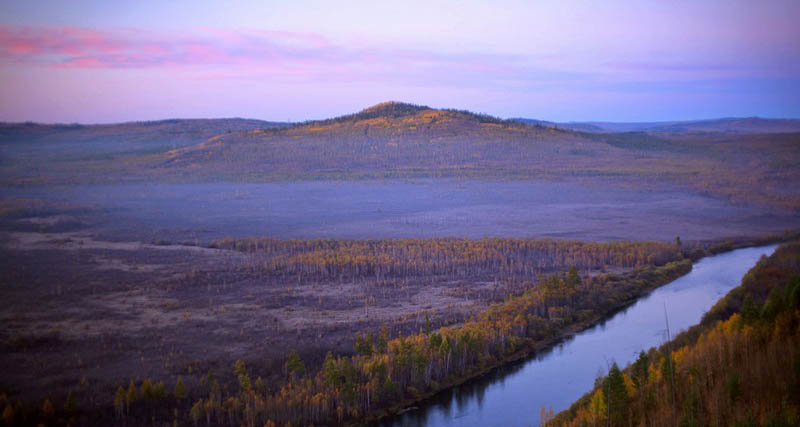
[(404, 140), (392, 140), (389, 139)]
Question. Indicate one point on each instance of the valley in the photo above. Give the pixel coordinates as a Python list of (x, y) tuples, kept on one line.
[(167, 255)]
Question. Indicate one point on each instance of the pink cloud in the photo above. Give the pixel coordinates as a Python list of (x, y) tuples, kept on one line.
[(241, 54), (255, 50)]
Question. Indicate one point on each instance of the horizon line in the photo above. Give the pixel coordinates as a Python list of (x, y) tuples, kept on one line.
[(292, 122)]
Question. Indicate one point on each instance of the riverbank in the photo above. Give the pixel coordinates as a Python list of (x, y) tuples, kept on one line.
[(694, 253), (666, 274), (740, 368), (410, 368)]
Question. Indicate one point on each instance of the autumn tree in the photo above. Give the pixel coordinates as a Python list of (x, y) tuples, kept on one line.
[(8, 414), (240, 370), (130, 397), (196, 412), (119, 402)]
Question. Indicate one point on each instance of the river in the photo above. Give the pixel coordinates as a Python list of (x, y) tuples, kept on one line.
[(513, 395)]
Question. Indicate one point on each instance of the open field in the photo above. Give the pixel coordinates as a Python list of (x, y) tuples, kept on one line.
[(199, 213)]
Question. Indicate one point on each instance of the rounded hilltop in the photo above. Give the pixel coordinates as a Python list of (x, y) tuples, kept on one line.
[(402, 110), (393, 109)]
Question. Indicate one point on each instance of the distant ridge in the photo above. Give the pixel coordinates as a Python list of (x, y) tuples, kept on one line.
[(141, 129), (727, 125), (98, 141)]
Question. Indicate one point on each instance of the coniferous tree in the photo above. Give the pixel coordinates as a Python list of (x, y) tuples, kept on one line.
[(294, 364), (180, 389), (616, 396)]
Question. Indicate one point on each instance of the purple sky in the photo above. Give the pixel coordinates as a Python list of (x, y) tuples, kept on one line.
[(107, 61)]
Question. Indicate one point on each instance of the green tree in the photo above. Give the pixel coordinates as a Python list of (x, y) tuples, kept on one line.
[(428, 327), (259, 386), (390, 389), (294, 364), (639, 370), (383, 339), (773, 305), (369, 343), (793, 294), (573, 279), (363, 346), (749, 309), (180, 389), (330, 372), (732, 386), (616, 395), (160, 391)]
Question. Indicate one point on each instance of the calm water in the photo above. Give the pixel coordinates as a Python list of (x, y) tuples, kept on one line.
[(513, 396)]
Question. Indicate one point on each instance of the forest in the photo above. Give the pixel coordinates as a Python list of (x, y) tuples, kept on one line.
[(385, 370), (326, 259), (739, 366)]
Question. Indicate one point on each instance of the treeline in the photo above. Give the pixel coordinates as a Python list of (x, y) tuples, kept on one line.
[(456, 258), (383, 371), (740, 366)]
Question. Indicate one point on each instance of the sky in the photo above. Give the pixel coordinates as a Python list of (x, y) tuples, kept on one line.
[(110, 61)]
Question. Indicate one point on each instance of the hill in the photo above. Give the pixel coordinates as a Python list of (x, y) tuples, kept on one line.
[(404, 140), (725, 125), (394, 139), (389, 139)]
